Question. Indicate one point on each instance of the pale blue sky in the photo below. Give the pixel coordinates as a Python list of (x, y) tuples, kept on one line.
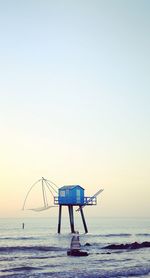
[(74, 99)]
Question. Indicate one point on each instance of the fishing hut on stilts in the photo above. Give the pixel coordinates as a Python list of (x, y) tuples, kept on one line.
[(68, 195)]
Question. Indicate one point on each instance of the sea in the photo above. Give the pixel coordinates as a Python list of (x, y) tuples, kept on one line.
[(38, 251)]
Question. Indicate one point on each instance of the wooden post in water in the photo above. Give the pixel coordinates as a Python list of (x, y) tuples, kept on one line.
[(83, 219), (59, 219), (70, 209)]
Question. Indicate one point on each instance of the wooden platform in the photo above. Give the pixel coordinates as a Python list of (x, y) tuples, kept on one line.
[(88, 201)]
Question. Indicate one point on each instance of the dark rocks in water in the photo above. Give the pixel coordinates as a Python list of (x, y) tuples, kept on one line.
[(107, 253), (87, 244), (134, 245), (77, 253)]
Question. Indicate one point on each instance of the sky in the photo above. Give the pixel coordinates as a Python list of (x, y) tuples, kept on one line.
[(74, 102)]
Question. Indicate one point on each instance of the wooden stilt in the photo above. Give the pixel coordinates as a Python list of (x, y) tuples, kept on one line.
[(72, 220), (83, 219), (71, 217), (59, 219)]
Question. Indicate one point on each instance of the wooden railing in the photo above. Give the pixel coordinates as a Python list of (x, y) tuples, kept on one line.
[(90, 201), (56, 200), (87, 201)]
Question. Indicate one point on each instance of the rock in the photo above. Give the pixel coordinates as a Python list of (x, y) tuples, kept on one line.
[(134, 245), (87, 244), (77, 253), (107, 253)]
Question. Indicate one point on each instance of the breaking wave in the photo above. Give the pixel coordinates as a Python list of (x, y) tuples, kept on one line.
[(30, 248)]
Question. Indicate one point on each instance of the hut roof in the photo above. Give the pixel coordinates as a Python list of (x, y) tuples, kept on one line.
[(70, 187)]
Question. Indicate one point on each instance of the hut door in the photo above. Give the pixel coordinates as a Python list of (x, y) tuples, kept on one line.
[(78, 195)]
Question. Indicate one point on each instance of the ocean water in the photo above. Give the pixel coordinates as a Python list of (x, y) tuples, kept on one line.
[(38, 251)]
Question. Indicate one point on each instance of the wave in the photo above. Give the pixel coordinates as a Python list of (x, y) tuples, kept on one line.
[(44, 257), (107, 235), (117, 235), (117, 273), (124, 235), (9, 259), (143, 234), (22, 268), (128, 272), (30, 248), (19, 238)]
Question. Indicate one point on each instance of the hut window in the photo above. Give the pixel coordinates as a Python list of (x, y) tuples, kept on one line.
[(62, 193)]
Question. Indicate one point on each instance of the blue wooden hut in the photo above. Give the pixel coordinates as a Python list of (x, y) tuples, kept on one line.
[(71, 195)]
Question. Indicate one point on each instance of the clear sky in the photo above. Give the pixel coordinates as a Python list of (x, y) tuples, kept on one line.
[(75, 101)]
